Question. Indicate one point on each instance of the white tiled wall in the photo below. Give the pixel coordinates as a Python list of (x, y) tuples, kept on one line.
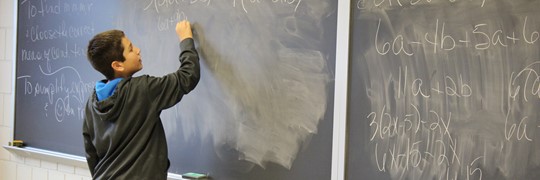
[(14, 167)]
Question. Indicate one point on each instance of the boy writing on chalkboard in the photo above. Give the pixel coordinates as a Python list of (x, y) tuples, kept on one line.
[(123, 134)]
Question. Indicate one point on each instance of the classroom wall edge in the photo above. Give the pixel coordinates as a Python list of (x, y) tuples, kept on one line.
[(14, 65)]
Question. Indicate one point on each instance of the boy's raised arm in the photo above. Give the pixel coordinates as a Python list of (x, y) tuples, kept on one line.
[(169, 89)]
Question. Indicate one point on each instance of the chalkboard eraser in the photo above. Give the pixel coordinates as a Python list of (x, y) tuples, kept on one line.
[(16, 143), (192, 175)]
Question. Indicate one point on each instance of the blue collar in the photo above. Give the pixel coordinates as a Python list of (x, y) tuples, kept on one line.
[(106, 89)]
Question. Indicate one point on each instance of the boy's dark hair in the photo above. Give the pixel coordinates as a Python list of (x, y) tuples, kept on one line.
[(105, 48)]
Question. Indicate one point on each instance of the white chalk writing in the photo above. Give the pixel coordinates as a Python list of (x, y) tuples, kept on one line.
[(440, 40), (44, 8), (37, 33), (65, 98), (366, 4)]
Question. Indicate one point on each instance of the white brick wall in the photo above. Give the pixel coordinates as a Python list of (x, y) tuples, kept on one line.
[(3, 43), (13, 167)]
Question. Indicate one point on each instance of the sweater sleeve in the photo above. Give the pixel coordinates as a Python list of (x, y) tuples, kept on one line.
[(91, 153), (168, 90)]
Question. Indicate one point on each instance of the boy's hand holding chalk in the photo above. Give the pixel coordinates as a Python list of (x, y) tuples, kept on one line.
[(183, 30)]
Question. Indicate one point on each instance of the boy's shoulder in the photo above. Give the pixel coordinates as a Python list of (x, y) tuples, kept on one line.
[(143, 82), (135, 81)]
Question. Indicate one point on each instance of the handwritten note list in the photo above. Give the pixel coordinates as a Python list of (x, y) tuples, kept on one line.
[(46, 70)]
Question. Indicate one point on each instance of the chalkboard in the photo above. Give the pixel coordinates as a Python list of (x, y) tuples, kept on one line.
[(444, 89), (263, 107)]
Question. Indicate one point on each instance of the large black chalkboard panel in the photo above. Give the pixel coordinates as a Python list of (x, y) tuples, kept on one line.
[(444, 90), (263, 107)]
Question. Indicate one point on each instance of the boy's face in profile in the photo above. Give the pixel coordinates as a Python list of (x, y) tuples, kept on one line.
[(133, 62)]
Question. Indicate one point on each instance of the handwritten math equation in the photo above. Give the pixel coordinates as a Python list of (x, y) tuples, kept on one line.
[(170, 12), (425, 125), (370, 4), (452, 96), (160, 5), (480, 37)]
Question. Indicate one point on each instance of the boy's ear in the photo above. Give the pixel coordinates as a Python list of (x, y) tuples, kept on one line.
[(117, 66)]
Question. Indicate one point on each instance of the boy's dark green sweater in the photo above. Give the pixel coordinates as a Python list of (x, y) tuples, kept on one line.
[(123, 134)]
